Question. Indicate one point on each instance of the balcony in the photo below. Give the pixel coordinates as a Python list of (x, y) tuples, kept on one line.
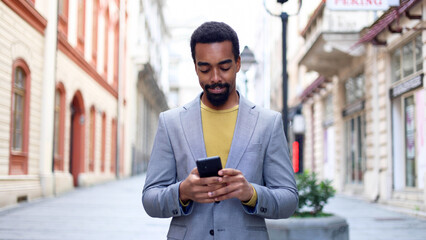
[(329, 36)]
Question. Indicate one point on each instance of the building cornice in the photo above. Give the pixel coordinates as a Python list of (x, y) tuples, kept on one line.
[(26, 11), (78, 59)]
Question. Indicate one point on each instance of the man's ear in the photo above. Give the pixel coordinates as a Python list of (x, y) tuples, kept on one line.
[(238, 63), (195, 68)]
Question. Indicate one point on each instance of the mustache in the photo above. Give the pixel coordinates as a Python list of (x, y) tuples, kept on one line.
[(221, 85)]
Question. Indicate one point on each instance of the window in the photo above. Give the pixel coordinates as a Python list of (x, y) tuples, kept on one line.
[(18, 107), (63, 16), (355, 130), (92, 139), (407, 60), (354, 89), (59, 128), (113, 144), (95, 30), (80, 25), (103, 143), (328, 110), (116, 54), (19, 118), (410, 148), (106, 31), (355, 149)]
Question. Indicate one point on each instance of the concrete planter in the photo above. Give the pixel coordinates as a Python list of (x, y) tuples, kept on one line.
[(321, 228)]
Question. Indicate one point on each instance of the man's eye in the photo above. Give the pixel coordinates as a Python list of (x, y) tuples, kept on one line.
[(225, 69), (204, 71)]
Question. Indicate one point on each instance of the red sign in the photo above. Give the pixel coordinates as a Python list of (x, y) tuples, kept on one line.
[(296, 156)]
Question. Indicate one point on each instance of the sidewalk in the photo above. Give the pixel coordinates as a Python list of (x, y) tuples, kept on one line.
[(108, 211), (114, 211), (371, 221)]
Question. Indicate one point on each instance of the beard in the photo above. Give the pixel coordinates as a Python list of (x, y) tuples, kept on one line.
[(217, 99)]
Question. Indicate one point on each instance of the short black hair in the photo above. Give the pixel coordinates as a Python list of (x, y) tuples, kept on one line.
[(211, 32)]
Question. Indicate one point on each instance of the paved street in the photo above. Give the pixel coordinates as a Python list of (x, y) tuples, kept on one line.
[(107, 211), (370, 221), (114, 211)]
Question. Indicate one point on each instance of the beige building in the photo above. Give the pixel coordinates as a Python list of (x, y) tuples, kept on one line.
[(68, 83), (364, 102)]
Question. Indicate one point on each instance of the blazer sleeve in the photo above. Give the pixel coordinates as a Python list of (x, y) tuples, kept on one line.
[(278, 196), (160, 196)]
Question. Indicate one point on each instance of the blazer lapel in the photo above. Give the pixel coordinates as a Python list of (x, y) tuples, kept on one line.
[(192, 128), (246, 121)]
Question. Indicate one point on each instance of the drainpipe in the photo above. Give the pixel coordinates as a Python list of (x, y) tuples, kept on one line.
[(48, 100), (120, 80)]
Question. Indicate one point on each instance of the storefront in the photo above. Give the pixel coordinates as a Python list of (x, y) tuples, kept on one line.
[(396, 43)]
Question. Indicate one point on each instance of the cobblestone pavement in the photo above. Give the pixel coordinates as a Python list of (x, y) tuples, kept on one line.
[(114, 211)]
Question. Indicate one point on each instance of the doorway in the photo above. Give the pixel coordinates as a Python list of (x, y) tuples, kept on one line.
[(77, 137)]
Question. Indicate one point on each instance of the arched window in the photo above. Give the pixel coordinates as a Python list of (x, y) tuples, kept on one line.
[(59, 128), (19, 124)]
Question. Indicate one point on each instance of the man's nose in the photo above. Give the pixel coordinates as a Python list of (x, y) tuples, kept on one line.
[(215, 75)]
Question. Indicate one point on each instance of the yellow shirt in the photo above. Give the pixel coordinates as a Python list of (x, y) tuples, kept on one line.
[(218, 131)]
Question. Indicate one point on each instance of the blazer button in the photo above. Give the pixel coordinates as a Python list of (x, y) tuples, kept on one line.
[(175, 212), (212, 232)]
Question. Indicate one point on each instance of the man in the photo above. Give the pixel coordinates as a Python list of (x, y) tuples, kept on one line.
[(257, 181)]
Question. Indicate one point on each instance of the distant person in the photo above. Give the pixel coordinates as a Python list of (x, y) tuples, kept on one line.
[(257, 181)]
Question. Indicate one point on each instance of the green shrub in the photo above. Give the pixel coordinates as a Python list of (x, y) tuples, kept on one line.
[(313, 194)]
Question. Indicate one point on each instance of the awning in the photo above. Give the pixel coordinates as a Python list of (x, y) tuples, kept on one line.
[(316, 86), (382, 23)]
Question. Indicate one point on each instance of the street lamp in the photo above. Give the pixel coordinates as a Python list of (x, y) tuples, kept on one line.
[(284, 18), (247, 60)]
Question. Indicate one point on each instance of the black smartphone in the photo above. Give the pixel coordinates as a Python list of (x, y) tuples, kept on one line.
[(209, 167)]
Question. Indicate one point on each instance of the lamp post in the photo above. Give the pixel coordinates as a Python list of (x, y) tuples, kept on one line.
[(247, 60), (284, 19)]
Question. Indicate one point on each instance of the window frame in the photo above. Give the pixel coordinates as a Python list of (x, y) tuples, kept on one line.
[(113, 144), (404, 128), (413, 40), (92, 138), (355, 174), (95, 27), (58, 155), (103, 142), (81, 26), (63, 17), (106, 42), (18, 159)]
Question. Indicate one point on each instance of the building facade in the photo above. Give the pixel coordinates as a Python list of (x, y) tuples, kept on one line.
[(364, 108), (68, 84), (148, 83)]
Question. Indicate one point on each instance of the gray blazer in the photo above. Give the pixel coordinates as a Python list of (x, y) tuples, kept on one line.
[(259, 150)]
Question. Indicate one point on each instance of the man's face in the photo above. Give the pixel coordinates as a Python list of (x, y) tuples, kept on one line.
[(217, 70)]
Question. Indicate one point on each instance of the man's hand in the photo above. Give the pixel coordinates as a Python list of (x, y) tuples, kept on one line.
[(235, 186), (196, 189)]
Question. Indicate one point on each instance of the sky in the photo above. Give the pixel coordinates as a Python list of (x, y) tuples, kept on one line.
[(240, 15)]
